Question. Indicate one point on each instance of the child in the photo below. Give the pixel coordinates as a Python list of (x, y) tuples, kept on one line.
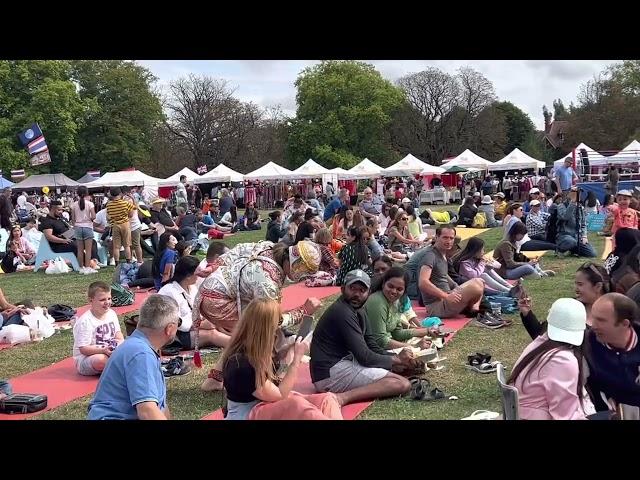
[(209, 265), (96, 333), (329, 264), (623, 216)]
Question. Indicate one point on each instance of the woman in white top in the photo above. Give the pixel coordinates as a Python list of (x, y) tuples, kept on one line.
[(83, 212), (182, 289)]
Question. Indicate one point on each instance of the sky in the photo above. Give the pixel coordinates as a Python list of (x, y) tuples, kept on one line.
[(528, 84)]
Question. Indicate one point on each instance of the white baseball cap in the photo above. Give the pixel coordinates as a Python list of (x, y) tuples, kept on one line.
[(476, 194), (534, 190), (626, 193), (533, 203), (567, 321), (406, 200)]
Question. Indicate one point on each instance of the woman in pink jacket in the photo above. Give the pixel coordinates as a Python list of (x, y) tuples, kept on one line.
[(549, 374)]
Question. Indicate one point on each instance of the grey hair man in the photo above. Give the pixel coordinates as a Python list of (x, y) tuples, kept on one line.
[(132, 385)]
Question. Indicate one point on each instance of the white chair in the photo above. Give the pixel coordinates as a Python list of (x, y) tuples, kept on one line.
[(509, 396)]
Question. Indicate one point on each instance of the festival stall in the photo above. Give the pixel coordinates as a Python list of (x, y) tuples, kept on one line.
[(55, 181)]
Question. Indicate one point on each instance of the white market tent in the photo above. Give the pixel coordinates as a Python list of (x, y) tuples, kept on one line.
[(467, 159), (310, 169), (517, 160), (594, 157), (173, 180), (270, 171), (129, 178), (432, 170), (334, 175), (629, 154), (409, 165), (365, 169), (221, 173)]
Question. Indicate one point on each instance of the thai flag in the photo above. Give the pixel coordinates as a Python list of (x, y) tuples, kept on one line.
[(17, 173), (202, 169), (94, 173), (38, 145)]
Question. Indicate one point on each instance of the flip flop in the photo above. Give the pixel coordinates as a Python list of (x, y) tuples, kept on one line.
[(484, 367)]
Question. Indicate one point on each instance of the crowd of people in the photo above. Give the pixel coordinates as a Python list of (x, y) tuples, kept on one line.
[(583, 361)]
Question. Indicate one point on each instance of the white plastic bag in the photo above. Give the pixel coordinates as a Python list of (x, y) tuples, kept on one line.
[(40, 322), (15, 334), (58, 265)]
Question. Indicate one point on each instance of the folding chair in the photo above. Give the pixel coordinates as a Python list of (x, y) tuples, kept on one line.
[(509, 396), (45, 253)]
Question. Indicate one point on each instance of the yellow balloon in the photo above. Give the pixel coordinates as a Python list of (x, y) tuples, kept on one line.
[(45, 190)]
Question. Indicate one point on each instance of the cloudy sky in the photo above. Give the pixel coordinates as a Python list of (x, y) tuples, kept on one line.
[(528, 84)]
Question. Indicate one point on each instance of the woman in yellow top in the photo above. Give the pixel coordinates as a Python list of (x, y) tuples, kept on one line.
[(415, 224), (500, 205)]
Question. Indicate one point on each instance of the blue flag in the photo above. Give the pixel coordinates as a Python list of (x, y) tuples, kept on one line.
[(30, 134)]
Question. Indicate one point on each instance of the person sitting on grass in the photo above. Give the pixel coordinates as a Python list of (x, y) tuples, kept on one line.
[(345, 359), (275, 230), (442, 296), (487, 207), (164, 259), (591, 282), (549, 374), (467, 212), (182, 289), (328, 263), (400, 238), (306, 229), (253, 392), (342, 222), (251, 219), (132, 386), (513, 264), (96, 333), (613, 356), (500, 205), (384, 315), (12, 314), (25, 250), (471, 263), (626, 240), (355, 254)]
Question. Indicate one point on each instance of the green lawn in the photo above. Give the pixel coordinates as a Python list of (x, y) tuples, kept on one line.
[(475, 391)]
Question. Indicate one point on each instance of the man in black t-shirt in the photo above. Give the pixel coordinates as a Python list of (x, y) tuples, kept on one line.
[(53, 227), (345, 359)]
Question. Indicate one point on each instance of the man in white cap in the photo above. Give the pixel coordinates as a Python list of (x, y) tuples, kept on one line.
[(537, 222), (613, 355), (345, 359), (534, 194), (477, 199)]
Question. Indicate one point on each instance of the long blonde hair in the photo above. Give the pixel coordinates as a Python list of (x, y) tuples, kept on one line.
[(255, 337)]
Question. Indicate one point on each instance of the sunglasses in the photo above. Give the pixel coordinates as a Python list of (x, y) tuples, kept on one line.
[(404, 219)]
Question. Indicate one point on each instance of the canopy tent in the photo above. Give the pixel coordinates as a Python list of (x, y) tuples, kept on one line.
[(87, 178), (517, 160), (173, 180), (467, 159), (336, 174), (221, 173), (409, 165), (4, 183), (129, 178), (46, 180), (594, 157), (629, 154), (365, 169), (310, 169), (456, 169), (270, 171), (432, 170)]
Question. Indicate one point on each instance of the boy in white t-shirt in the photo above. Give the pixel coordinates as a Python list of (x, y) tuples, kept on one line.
[(96, 333)]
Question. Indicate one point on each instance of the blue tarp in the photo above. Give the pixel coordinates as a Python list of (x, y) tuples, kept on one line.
[(598, 188), (4, 183)]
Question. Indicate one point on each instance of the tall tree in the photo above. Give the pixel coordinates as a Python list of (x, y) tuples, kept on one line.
[(519, 126), (39, 91), (559, 112), (344, 108), (118, 132)]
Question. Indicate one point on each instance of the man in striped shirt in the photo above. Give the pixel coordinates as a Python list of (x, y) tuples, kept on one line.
[(119, 211)]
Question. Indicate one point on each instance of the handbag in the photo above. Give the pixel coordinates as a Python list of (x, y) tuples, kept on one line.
[(23, 403), (61, 313), (121, 296)]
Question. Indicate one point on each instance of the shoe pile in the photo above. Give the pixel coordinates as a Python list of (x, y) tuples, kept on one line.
[(87, 270), (491, 320), (175, 367)]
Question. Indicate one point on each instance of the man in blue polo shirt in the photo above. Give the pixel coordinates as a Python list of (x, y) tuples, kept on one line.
[(564, 176), (612, 351), (334, 206), (132, 385)]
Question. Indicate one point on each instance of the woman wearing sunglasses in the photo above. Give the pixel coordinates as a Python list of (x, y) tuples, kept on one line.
[(399, 235)]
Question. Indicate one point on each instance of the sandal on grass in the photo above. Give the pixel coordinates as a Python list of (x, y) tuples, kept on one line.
[(484, 367), (421, 390)]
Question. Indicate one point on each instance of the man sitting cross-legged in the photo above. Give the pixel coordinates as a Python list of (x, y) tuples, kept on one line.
[(345, 358), (441, 295)]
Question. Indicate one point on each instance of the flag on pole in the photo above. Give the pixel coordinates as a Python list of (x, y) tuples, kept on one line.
[(94, 173), (202, 169), (41, 158), (36, 146), (17, 173)]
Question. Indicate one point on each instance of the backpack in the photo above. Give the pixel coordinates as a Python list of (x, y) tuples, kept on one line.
[(23, 403), (61, 313), (480, 220), (121, 296)]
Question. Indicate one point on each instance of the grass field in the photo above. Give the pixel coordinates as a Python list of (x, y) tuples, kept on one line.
[(475, 391)]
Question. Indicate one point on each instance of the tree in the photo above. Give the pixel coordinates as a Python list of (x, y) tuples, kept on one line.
[(559, 112), (520, 128), (343, 110), (443, 114), (126, 110), (39, 91)]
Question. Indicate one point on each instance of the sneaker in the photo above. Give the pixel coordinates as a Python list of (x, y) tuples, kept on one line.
[(82, 271), (101, 265), (112, 262), (91, 270), (549, 273), (175, 367), (486, 322)]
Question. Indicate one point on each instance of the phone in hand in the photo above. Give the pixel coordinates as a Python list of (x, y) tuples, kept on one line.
[(305, 327)]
